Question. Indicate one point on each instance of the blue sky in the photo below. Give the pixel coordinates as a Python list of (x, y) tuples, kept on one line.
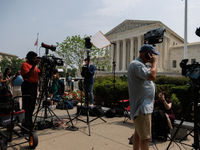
[(54, 20)]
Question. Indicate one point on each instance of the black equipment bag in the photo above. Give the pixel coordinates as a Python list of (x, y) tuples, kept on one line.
[(5, 97), (160, 125), (110, 113), (119, 112), (5, 108), (98, 111), (74, 102)]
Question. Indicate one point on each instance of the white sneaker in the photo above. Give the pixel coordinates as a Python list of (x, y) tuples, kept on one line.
[(169, 135)]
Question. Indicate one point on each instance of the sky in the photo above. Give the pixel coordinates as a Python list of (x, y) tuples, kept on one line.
[(54, 20)]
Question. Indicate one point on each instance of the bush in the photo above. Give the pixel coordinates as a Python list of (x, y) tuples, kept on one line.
[(107, 79), (172, 80), (176, 106), (175, 87), (104, 92)]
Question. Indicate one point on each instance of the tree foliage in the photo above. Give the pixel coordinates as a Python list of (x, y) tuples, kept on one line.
[(73, 52), (14, 64)]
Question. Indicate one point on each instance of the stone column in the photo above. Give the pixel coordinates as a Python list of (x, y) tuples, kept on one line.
[(131, 49), (124, 56), (167, 56), (139, 45), (164, 54), (160, 57), (112, 52), (118, 55)]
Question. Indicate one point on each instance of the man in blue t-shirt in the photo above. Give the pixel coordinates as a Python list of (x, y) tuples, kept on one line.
[(141, 93)]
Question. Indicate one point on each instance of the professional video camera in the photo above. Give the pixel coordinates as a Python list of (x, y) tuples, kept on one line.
[(50, 62), (154, 36), (192, 70)]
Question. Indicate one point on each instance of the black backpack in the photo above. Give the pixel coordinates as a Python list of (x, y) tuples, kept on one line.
[(110, 113), (98, 111)]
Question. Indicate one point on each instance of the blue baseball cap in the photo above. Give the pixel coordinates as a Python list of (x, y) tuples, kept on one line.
[(147, 47)]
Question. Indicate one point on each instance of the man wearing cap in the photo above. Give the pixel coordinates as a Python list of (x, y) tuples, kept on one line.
[(141, 93), (88, 82)]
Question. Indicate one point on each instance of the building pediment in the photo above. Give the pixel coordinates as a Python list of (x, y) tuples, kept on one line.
[(129, 25)]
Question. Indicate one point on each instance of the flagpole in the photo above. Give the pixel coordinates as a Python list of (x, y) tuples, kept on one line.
[(185, 32), (37, 43)]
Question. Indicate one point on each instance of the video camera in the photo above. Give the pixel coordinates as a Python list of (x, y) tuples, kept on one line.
[(154, 36), (50, 62), (192, 70)]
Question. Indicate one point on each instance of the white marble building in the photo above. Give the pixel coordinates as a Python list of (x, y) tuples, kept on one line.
[(129, 37)]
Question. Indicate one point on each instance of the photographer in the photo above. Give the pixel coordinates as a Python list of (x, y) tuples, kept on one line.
[(30, 74), (141, 93), (88, 81)]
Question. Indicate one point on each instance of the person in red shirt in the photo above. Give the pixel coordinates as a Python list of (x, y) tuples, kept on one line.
[(30, 74)]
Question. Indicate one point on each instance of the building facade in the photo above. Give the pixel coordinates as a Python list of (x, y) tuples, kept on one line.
[(128, 37)]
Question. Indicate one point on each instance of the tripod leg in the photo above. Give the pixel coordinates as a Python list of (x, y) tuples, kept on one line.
[(72, 128), (88, 121), (182, 120)]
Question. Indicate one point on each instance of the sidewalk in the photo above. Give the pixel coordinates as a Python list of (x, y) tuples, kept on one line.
[(112, 135)]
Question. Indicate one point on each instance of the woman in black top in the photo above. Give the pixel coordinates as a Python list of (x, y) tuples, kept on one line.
[(162, 103)]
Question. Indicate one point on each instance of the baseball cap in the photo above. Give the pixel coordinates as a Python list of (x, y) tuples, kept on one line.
[(147, 47)]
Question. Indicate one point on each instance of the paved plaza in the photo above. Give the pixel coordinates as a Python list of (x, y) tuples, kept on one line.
[(112, 135)]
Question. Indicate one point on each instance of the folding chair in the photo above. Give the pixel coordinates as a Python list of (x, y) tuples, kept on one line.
[(126, 107)]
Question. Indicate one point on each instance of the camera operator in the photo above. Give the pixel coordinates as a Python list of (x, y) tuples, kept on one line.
[(30, 74), (141, 94), (89, 77)]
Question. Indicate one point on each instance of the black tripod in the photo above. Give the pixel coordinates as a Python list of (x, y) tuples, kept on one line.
[(114, 65), (195, 93), (87, 111), (43, 94)]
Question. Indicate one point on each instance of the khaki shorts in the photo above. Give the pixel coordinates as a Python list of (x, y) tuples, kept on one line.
[(142, 125)]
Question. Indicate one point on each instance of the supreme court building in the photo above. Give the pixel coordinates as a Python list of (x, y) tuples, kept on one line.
[(129, 37)]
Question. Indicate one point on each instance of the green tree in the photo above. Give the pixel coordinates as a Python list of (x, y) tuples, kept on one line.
[(72, 71), (14, 64), (4, 63), (73, 52)]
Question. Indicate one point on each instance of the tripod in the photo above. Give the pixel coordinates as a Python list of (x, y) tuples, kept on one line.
[(195, 93), (43, 94), (114, 65), (88, 110)]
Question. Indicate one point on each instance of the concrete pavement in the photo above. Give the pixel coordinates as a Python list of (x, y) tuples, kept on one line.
[(112, 135)]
